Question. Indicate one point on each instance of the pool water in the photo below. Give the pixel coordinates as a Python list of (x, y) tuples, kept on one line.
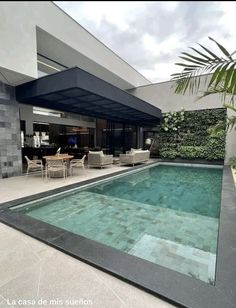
[(185, 189), (165, 214)]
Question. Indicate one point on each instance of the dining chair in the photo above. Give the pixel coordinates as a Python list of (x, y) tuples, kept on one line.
[(58, 152), (34, 165), (77, 163), (56, 165)]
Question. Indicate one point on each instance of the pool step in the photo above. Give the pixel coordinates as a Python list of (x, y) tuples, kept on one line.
[(185, 259), (181, 241), (121, 223), (185, 228)]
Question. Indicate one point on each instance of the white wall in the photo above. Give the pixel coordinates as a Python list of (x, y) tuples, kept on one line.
[(162, 95), (21, 21), (230, 140)]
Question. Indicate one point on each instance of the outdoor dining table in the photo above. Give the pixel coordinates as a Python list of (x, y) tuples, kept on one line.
[(65, 157), (59, 157)]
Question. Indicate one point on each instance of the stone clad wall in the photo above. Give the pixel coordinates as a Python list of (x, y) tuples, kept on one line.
[(10, 143)]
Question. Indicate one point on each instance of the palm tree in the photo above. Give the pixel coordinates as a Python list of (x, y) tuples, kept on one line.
[(199, 64)]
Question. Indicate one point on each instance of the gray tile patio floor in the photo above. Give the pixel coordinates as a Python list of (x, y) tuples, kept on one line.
[(31, 270)]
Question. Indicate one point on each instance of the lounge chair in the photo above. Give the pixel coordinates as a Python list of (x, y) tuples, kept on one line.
[(98, 159), (77, 163), (34, 165)]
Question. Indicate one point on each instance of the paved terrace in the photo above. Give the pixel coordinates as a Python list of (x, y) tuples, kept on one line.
[(31, 270)]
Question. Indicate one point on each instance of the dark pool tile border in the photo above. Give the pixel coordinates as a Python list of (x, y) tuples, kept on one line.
[(172, 286), (38, 229), (226, 257), (192, 161), (166, 284)]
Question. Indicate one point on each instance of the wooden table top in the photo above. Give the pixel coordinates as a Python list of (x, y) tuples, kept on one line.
[(61, 156)]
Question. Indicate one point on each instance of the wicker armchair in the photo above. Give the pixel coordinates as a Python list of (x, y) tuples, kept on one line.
[(56, 165), (98, 159), (77, 163), (34, 165)]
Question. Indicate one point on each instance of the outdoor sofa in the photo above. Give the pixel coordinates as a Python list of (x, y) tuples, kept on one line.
[(98, 159), (135, 156)]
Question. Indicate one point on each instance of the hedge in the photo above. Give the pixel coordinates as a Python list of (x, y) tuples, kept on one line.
[(191, 152), (192, 139)]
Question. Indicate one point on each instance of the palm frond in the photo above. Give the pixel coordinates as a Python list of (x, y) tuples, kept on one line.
[(231, 123), (222, 80), (222, 67), (229, 106), (217, 129), (225, 94), (222, 48)]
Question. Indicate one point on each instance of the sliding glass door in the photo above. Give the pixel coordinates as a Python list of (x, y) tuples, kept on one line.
[(116, 138)]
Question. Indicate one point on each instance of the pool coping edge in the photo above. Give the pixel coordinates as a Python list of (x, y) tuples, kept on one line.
[(172, 286)]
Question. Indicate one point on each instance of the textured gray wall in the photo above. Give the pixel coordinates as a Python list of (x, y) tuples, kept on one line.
[(10, 146)]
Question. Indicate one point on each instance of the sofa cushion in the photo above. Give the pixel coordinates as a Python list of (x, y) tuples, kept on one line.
[(97, 153), (135, 150)]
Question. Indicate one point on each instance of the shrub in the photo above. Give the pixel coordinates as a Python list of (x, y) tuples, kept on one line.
[(172, 121), (192, 152), (194, 139), (199, 134), (215, 147), (168, 153)]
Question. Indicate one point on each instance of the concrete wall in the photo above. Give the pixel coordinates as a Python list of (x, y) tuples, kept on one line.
[(10, 147), (28, 26), (162, 95), (230, 141)]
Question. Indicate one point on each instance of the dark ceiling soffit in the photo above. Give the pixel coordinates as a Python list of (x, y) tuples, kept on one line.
[(39, 90)]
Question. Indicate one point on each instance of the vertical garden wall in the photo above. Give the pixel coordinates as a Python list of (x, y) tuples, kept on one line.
[(191, 135)]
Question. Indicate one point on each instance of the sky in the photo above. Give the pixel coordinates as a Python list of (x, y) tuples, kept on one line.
[(150, 35)]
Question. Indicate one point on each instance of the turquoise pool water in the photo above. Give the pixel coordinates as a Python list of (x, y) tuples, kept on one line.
[(185, 189), (165, 214)]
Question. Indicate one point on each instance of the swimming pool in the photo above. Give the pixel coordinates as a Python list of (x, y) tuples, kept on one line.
[(165, 214)]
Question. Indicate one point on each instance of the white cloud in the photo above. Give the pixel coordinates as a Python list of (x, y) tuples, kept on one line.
[(150, 35), (160, 71), (170, 5)]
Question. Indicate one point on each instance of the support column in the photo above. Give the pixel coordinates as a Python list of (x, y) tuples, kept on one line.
[(140, 141), (10, 142)]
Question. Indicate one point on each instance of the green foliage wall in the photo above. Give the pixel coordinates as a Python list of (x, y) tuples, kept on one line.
[(192, 139)]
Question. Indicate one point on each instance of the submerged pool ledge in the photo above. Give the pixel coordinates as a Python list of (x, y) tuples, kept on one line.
[(167, 284)]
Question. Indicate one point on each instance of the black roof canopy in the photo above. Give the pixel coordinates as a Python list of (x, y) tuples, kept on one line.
[(75, 90)]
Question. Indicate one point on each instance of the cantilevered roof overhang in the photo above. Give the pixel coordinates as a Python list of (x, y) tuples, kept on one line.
[(75, 90)]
